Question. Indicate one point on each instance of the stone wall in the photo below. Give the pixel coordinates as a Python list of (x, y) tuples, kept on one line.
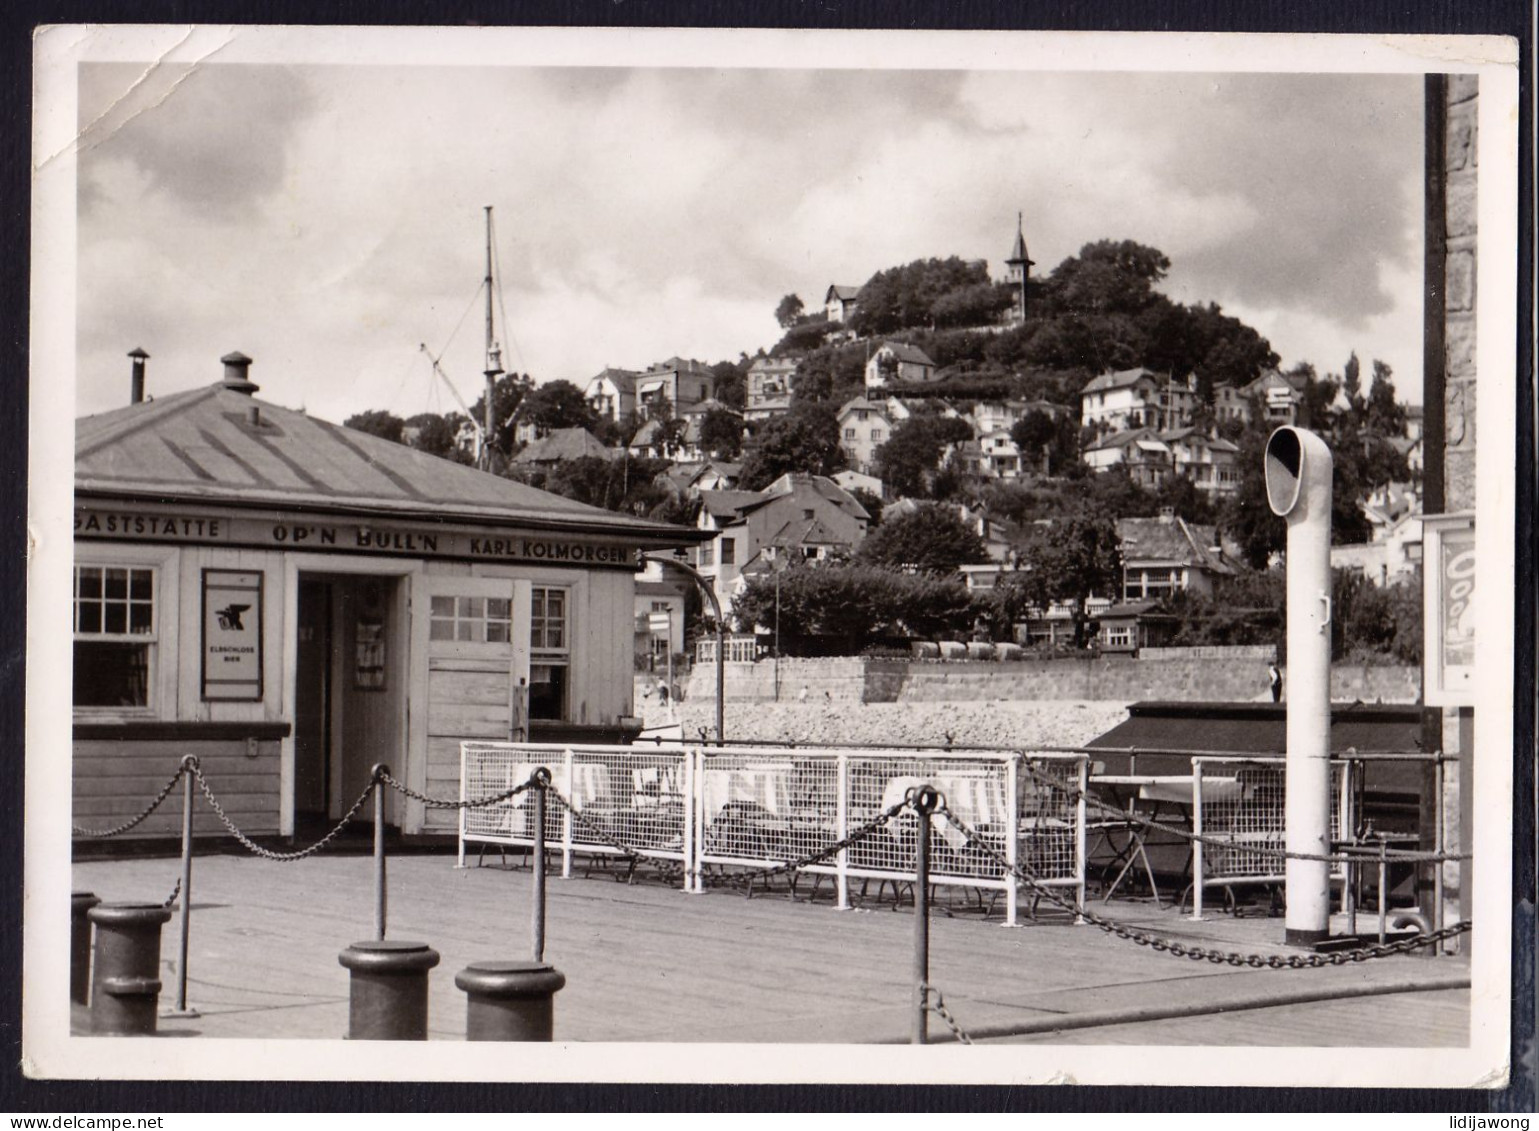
[(1224, 678)]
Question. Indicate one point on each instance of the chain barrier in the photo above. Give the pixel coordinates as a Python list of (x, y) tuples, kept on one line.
[(102, 834), (598, 832), (176, 891), (267, 853), (1366, 852), (1192, 951), (437, 803), (854, 837), (937, 1005)]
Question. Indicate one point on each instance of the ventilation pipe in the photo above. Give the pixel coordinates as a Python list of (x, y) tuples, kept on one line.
[(1298, 488), (236, 373), (136, 388)]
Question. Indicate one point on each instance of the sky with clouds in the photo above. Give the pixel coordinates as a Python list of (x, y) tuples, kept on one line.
[(327, 219)]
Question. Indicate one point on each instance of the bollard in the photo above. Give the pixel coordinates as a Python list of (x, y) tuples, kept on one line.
[(80, 902), (509, 1001), (388, 992), (125, 978)]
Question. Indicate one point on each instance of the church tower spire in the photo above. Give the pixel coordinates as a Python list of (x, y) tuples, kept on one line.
[(1019, 266)]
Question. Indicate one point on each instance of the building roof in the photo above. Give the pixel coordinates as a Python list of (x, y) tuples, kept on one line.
[(202, 446), (843, 293), (564, 444), (793, 481), (1261, 728), (700, 408), (622, 379), (1173, 540), (1121, 379), (1018, 249), (1136, 436), (861, 403), (727, 504), (903, 351), (805, 532)]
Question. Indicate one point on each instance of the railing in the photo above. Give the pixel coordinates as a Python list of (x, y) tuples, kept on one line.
[(739, 649), (756, 807)]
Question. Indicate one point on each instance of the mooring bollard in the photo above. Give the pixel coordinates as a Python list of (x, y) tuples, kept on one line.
[(80, 902), (509, 1001), (125, 978), (388, 993)]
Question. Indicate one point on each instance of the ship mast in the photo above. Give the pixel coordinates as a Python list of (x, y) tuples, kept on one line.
[(493, 353)]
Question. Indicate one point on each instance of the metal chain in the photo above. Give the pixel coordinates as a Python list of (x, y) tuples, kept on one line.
[(268, 854), (1398, 855), (436, 803), (600, 833), (938, 1007), (153, 805), (870, 828), (1198, 953), (176, 891)]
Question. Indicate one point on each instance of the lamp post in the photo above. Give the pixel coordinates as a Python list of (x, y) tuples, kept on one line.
[(721, 642)]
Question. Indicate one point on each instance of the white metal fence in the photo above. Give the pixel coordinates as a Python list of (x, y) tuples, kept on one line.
[(759, 807)]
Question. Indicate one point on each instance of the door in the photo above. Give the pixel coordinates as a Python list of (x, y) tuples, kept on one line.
[(476, 634), (312, 702)]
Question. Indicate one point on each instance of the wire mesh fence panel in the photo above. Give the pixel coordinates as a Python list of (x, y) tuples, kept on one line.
[(767, 806), (636, 796), (1243, 817), (1049, 815), (624, 799)]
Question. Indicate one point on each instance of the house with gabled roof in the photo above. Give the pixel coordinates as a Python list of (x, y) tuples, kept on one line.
[(807, 516), (562, 444), (1140, 450), (898, 363), (290, 598), (1167, 554), (1138, 398), (1209, 462), (839, 302), (864, 426), (612, 393), (768, 385)]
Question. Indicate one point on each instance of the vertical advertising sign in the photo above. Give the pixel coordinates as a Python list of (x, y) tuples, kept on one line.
[(232, 634), (1449, 663)]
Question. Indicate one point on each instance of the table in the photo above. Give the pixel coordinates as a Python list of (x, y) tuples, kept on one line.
[(1155, 791)]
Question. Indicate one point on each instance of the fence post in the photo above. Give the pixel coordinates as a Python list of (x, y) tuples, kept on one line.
[(1012, 843), (566, 824), (1199, 864), (1383, 886), (464, 815), (380, 895), (1437, 847), (924, 799), (842, 830), (1081, 816), (189, 767), (541, 778)]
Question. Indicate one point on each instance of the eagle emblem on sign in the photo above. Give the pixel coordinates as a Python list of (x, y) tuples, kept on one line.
[(229, 617)]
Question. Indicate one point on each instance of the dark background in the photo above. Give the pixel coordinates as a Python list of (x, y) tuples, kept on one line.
[(17, 21)]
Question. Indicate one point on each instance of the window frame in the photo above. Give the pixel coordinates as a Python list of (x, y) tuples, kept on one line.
[(163, 562), (547, 655)]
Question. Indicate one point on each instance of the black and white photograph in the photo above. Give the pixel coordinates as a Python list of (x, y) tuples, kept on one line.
[(771, 556)]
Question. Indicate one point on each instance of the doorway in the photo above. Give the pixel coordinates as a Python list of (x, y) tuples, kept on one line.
[(349, 693)]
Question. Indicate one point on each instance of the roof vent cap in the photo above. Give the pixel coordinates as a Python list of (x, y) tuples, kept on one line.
[(236, 366)]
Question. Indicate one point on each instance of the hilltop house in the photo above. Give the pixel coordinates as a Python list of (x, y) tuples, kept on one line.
[(805, 516), (839, 302), (1147, 458), (897, 363), (1168, 554), (1209, 462), (1278, 396)]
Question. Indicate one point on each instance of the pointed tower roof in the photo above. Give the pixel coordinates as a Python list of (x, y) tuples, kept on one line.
[(1018, 252)]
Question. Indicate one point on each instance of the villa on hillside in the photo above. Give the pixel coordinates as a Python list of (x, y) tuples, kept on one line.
[(896, 363), (839, 302), (678, 382), (807, 517), (1138, 398), (864, 426), (612, 394), (768, 387)]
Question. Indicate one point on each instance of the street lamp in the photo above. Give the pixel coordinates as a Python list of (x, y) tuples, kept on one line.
[(721, 642)]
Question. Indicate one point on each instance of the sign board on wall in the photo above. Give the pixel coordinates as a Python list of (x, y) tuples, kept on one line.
[(232, 634), (1449, 581)]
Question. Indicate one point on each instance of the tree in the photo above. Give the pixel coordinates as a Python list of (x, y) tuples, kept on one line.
[(979, 304), (1385, 415), (905, 297), (789, 310), (436, 435), (556, 404), (721, 433), (805, 439), (508, 393), (930, 538), (907, 463), (377, 422), (626, 484), (729, 384), (1073, 560)]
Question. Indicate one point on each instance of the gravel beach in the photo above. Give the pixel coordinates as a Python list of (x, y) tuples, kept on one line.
[(977, 723)]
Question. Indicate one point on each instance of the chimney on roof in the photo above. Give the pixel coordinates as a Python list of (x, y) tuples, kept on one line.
[(136, 387), (1167, 514), (235, 366)]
